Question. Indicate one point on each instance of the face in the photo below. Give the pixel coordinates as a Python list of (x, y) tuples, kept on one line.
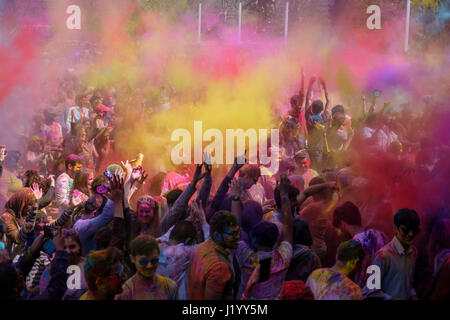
[(303, 164), (83, 135), (72, 248), (146, 265), (145, 212), (405, 235), (2, 153), (113, 283), (90, 179), (231, 237), (39, 228), (249, 181)]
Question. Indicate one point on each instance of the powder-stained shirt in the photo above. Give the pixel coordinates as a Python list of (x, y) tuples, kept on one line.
[(371, 240), (160, 288), (397, 269), (63, 189), (174, 261), (249, 259), (326, 284), (210, 268)]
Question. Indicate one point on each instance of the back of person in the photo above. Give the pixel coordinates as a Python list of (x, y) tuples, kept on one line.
[(210, 268), (327, 284)]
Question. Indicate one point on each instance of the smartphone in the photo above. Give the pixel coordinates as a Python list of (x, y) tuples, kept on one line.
[(264, 272), (49, 247)]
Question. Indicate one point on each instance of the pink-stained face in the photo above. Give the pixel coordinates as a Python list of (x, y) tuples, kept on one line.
[(145, 212)]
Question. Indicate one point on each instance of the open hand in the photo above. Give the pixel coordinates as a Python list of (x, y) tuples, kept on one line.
[(36, 191)]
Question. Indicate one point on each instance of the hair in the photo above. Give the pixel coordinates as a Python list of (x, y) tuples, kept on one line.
[(252, 215), (407, 217), (172, 196), (143, 245), (250, 170), (265, 234), (317, 106), (155, 183), (182, 231), (347, 212), (8, 280), (345, 178), (220, 220), (98, 181), (31, 176), (72, 159), (338, 108), (80, 182), (99, 264), (103, 237), (350, 250), (322, 194), (287, 164), (292, 194), (295, 290), (302, 234), (72, 234)]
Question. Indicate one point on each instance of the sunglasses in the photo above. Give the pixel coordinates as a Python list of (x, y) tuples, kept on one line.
[(144, 261), (407, 230)]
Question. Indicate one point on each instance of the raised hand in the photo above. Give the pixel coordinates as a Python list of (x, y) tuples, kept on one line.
[(117, 191), (235, 187), (36, 191), (198, 175), (58, 239), (197, 212), (128, 168), (207, 163)]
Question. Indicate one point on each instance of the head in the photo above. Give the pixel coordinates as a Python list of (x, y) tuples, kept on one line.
[(292, 194), (35, 144), (31, 176), (144, 253), (183, 232), (349, 256), (287, 166), (295, 290), (249, 174), (346, 216), (100, 185), (302, 160), (11, 282), (317, 106), (104, 273), (302, 234), (264, 236), (94, 205), (172, 196), (295, 101), (73, 165), (224, 229), (338, 119), (72, 245), (82, 100), (337, 109), (83, 181), (252, 215), (147, 209), (297, 181), (406, 226), (40, 222), (20, 202), (325, 194)]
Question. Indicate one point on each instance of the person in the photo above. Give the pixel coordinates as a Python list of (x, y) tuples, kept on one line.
[(82, 185), (397, 259), (177, 246), (98, 213), (101, 110), (73, 247), (347, 219), (335, 283), (104, 273), (78, 112), (264, 237), (9, 182), (304, 260), (211, 275), (64, 182), (317, 213), (317, 118), (146, 284), (12, 275), (303, 166)]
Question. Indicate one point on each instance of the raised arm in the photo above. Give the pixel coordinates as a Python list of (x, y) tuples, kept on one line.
[(288, 218), (327, 99), (308, 95)]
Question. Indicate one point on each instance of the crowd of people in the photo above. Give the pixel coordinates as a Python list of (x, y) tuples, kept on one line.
[(352, 195)]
